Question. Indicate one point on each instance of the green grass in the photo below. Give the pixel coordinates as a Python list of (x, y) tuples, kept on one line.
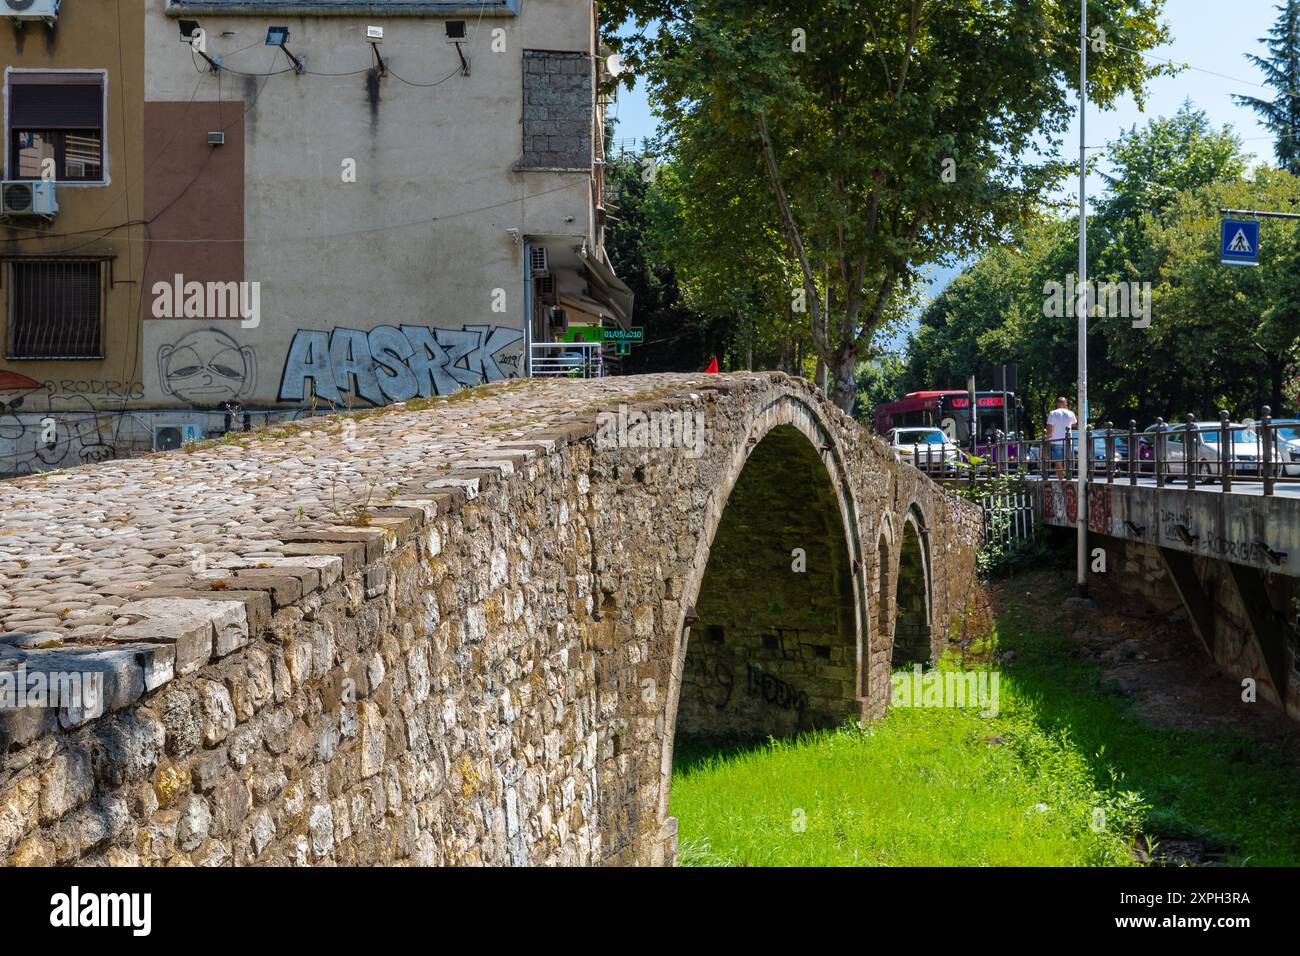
[(936, 787), (1239, 796)]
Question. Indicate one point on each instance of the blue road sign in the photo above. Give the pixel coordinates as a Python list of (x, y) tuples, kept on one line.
[(1240, 243)]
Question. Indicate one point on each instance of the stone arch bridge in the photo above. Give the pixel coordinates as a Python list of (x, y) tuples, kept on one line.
[(462, 630)]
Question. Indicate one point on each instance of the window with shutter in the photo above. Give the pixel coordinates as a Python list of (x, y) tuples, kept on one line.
[(56, 121)]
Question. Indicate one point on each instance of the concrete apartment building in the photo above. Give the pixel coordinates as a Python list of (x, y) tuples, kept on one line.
[(287, 206), (70, 282)]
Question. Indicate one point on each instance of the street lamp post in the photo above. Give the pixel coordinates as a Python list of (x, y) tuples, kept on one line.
[(1081, 312)]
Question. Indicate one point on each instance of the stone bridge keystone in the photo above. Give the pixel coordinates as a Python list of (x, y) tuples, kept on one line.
[(455, 631)]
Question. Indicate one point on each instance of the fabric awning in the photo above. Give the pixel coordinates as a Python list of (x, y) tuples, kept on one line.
[(610, 289), (584, 311)]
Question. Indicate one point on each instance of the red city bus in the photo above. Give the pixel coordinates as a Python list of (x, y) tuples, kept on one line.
[(950, 410), (913, 410)]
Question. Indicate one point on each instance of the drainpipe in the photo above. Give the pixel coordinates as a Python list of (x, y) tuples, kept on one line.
[(528, 310)]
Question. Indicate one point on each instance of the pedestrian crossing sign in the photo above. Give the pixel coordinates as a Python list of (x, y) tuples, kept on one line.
[(1239, 245)]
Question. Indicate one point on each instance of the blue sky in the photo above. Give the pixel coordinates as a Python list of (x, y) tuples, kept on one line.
[(1211, 36)]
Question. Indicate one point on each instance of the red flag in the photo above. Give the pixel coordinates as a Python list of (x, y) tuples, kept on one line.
[(713, 367)]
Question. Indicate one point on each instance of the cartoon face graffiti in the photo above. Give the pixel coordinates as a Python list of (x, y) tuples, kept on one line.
[(14, 389), (207, 367)]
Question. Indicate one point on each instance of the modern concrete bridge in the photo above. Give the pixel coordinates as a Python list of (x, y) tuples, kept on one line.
[(463, 630), (1232, 560)]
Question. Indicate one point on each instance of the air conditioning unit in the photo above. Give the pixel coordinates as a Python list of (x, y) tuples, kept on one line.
[(27, 197), (170, 437), (47, 10), (537, 261)]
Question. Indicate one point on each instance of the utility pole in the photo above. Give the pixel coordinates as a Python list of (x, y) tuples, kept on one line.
[(1081, 312)]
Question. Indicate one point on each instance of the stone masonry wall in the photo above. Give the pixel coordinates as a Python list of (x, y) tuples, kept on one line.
[(446, 633), (558, 98)]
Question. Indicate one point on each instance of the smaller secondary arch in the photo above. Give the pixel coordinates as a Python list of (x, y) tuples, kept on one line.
[(913, 631)]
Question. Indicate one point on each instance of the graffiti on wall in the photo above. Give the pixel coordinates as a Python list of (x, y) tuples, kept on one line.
[(15, 390), (1099, 509), (98, 388), (41, 429), (1060, 502), (710, 677), (207, 367), (392, 364), (774, 691)]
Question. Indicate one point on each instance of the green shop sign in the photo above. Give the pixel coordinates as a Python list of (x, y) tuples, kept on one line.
[(624, 339)]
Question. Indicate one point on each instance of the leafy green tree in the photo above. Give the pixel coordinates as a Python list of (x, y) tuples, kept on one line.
[(1149, 168), (1282, 72), (1221, 336), (993, 314), (740, 290), (678, 338), (891, 133), (1157, 223)]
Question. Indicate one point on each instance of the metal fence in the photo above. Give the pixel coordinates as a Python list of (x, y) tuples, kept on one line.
[(1222, 456), (1010, 517), (566, 359)]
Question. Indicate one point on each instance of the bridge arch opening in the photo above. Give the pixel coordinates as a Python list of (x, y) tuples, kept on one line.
[(882, 590), (775, 649), (912, 630)]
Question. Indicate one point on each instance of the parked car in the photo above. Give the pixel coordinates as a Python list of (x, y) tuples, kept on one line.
[(1118, 455), (1287, 447), (1146, 451), (1246, 452), (1118, 447), (1014, 448), (924, 447)]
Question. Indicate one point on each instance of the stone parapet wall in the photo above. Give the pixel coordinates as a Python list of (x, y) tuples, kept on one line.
[(446, 633)]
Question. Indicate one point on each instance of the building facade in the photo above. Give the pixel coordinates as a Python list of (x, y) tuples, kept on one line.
[(70, 280), (295, 207)]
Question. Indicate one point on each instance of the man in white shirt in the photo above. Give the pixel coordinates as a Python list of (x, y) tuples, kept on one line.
[(1059, 422)]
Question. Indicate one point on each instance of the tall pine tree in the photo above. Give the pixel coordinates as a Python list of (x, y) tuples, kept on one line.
[(1282, 72)]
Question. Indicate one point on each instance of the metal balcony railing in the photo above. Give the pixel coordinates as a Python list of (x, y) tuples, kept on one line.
[(566, 359)]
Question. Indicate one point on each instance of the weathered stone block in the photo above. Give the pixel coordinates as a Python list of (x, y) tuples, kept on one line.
[(372, 741), (67, 781), (216, 712)]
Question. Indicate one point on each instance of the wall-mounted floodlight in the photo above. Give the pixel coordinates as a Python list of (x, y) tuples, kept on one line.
[(192, 34), (456, 35), (375, 36), (279, 36)]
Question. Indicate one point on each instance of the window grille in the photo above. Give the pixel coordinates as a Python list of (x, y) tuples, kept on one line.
[(55, 308)]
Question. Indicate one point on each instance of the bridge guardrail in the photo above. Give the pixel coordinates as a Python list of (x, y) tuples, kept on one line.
[(1261, 454)]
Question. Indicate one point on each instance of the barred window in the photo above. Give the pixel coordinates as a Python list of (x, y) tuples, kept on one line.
[(55, 308)]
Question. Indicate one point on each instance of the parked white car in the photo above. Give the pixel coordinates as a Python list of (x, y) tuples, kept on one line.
[(924, 447), (1287, 453), (1246, 452)]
